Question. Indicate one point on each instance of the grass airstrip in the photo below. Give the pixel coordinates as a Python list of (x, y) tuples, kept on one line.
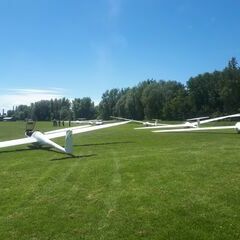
[(122, 184)]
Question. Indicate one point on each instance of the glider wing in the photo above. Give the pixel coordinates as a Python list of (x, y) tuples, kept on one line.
[(195, 129), (17, 142), (219, 118), (76, 130)]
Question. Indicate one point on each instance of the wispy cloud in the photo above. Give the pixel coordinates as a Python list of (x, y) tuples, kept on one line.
[(114, 8), (14, 97), (106, 50)]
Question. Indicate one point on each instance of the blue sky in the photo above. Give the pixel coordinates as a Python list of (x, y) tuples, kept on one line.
[(78, 48)]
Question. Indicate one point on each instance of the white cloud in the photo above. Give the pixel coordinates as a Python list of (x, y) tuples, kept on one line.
[(15, 97)]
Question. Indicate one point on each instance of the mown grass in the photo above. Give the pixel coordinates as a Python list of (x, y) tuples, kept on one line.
[(122, 184)]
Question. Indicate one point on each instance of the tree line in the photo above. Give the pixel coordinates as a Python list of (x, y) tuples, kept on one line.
[(58, 109), (216, 93), (213, 94)]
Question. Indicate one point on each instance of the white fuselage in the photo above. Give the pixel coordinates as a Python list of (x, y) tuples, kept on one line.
[(43, 140)]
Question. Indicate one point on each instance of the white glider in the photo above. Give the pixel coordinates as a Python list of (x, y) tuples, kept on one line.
[(38, 138), (91, 122), (142, 122), (235, 127), (197, 118), (197, 122)]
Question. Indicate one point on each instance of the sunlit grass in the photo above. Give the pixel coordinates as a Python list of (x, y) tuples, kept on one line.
[(122, 184)]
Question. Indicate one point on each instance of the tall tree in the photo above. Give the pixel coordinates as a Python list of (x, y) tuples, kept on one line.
[(230, 88), (22, 112), (83, 108), (41, 110), (108, 103)]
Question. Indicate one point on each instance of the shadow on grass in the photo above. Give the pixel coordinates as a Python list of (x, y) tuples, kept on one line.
[(29, 148), (73, 157), (100, 144), (33, 147)]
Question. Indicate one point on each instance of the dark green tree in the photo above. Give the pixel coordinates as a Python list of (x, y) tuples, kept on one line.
[(107, 106), (230, 87), (83, 108)]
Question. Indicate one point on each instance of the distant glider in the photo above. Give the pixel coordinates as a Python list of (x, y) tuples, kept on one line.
[(91, 122), (44, 139), (235, 127), (142, 122), (195, 124)]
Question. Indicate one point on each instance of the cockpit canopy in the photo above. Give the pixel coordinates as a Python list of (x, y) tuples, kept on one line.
[(30, 125)]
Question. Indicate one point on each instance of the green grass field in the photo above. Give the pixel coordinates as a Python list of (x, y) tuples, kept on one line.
[(122, 184)]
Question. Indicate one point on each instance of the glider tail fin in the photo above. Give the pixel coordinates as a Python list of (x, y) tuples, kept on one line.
[(69, 142), (198, 123)]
